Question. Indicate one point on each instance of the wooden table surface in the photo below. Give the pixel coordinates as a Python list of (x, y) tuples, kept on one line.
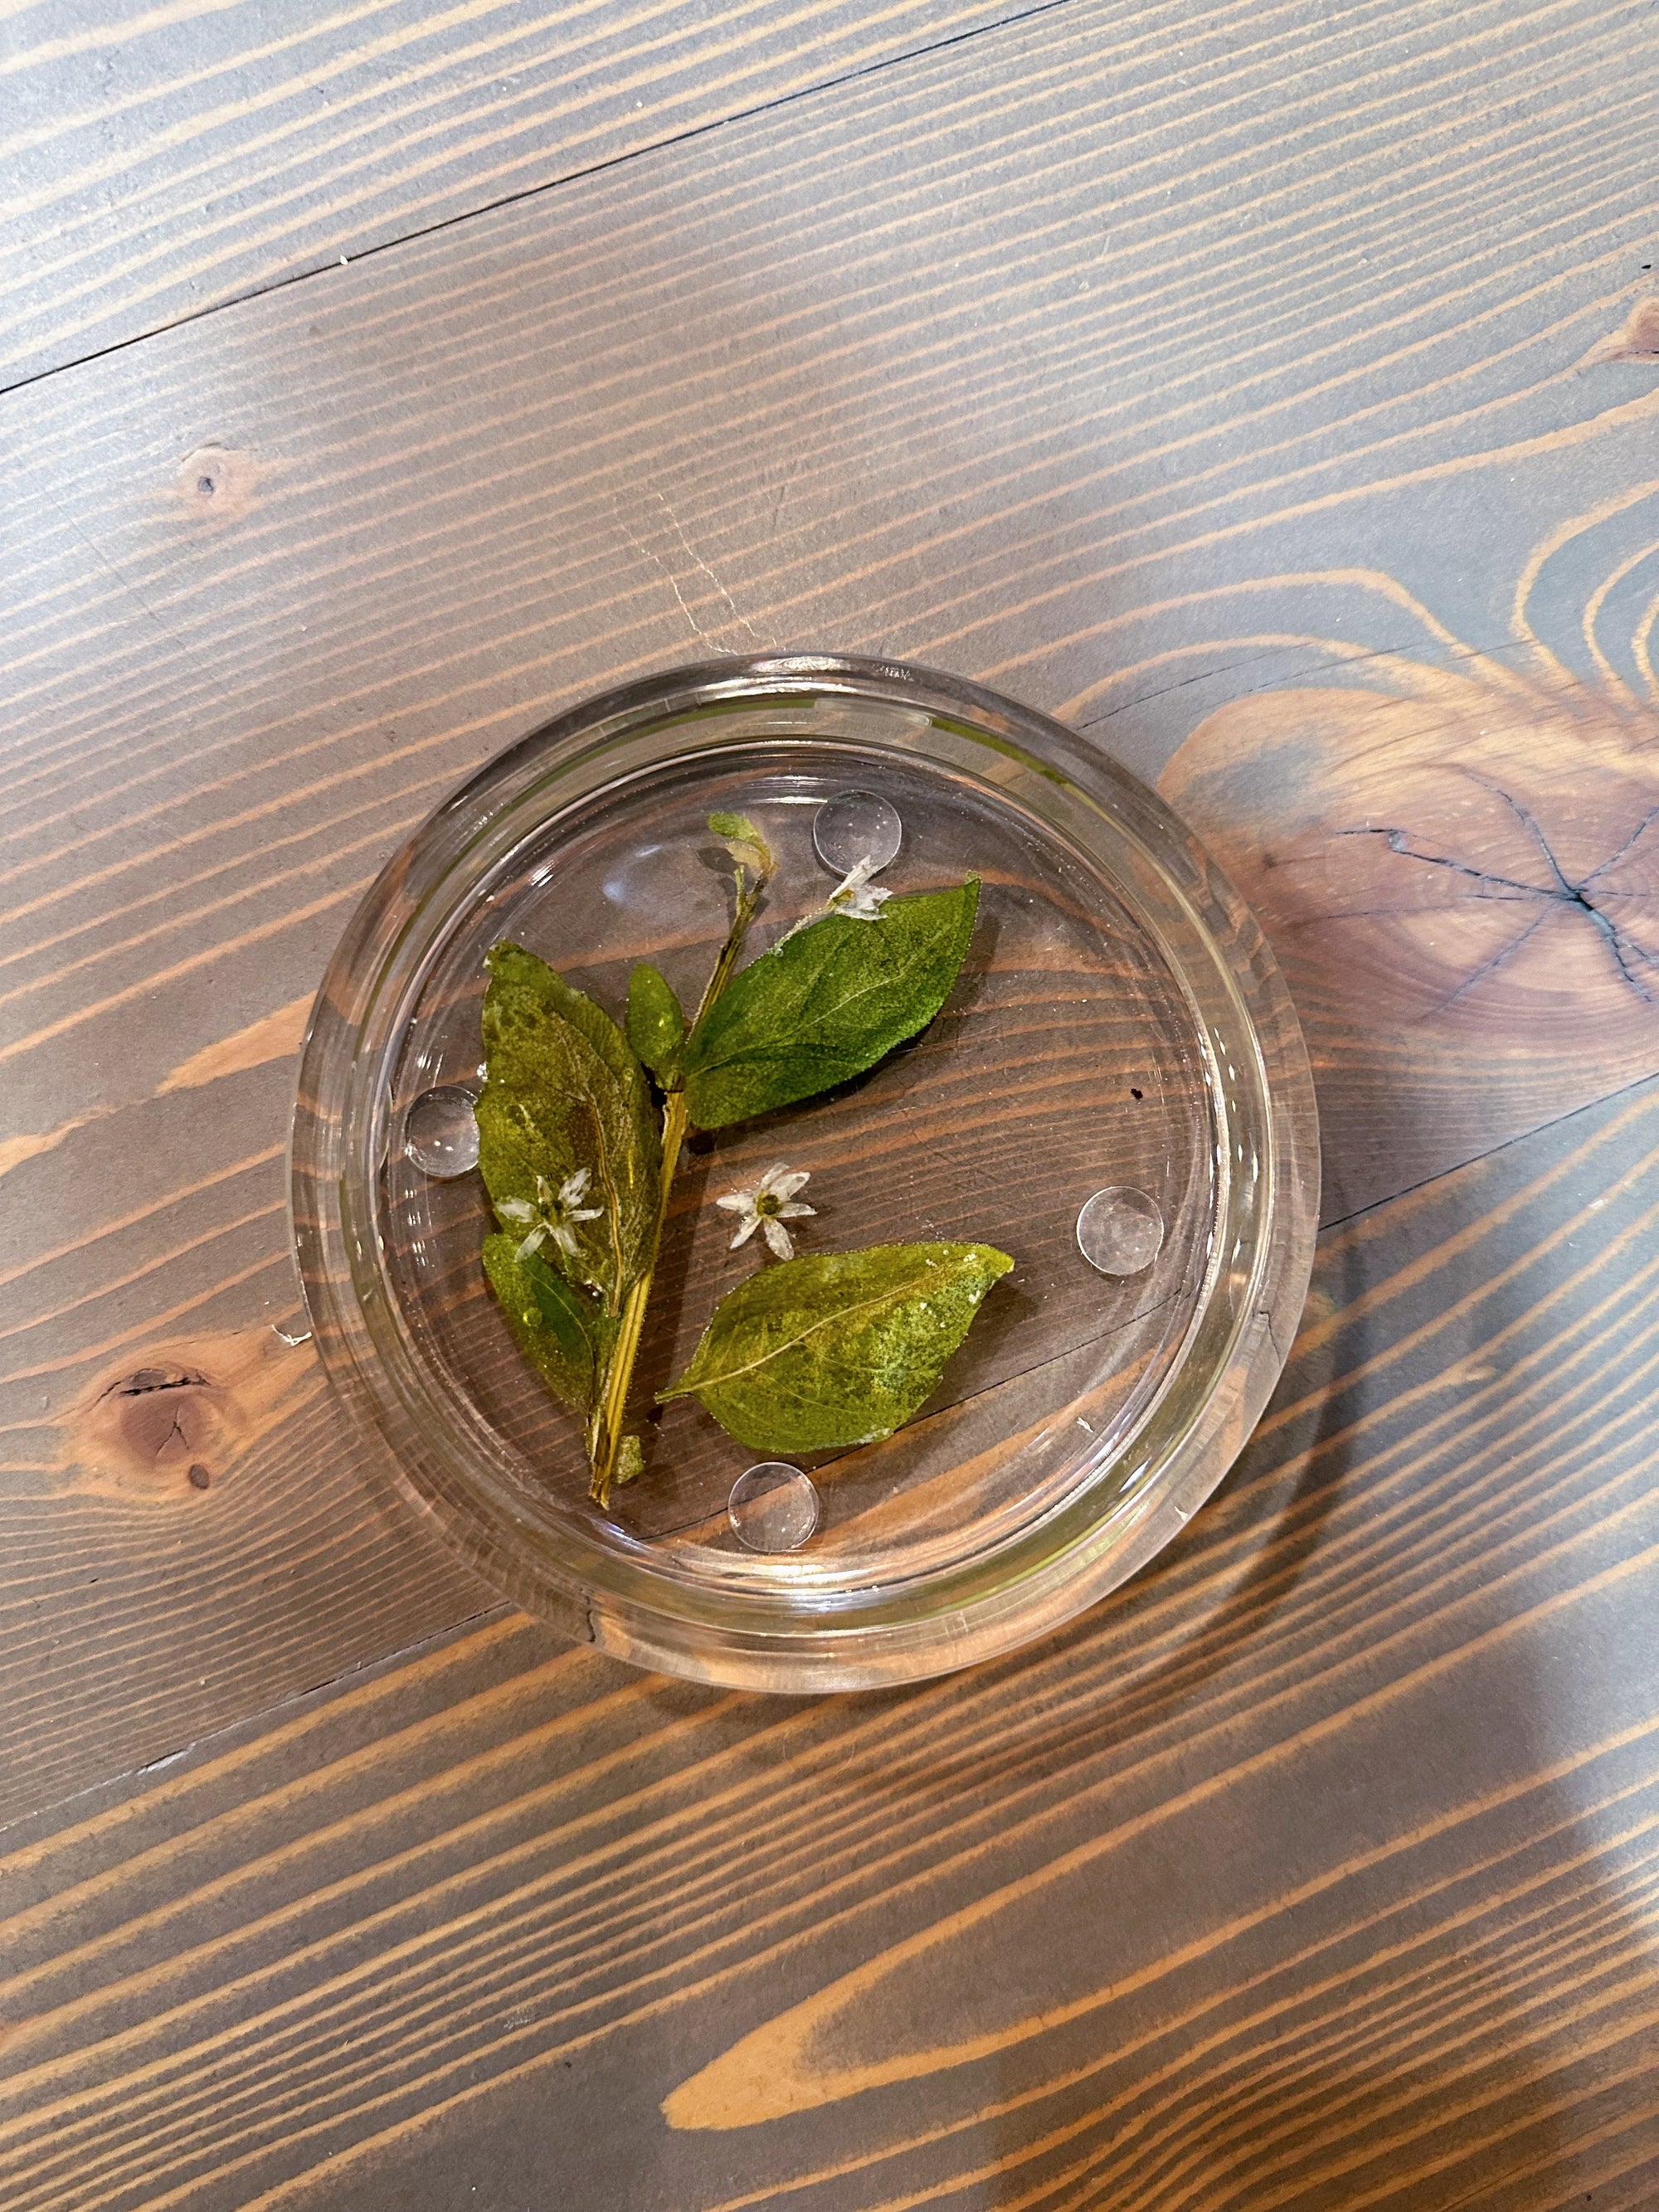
[(1271, 389)]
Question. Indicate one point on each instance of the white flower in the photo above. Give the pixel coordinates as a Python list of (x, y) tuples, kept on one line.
[(554, 1214), (767, 1207), (856, 897)]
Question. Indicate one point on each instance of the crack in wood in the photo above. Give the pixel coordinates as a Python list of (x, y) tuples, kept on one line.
[(1563, 893)]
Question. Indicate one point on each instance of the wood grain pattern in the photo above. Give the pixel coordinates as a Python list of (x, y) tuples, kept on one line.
[(1089, 471), (161, 161), (1326, 1849), (1270, 390), (1474, 852), (420, 575)]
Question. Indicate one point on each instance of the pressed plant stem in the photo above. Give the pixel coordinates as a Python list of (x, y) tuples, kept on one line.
[(613, 1407), (607, 1432)]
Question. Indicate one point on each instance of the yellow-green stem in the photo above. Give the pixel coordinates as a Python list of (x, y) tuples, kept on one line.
[(607, 1430), (613, 1408)]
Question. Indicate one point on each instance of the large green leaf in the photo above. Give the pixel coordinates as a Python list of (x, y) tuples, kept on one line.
[(563, 1092), (563, 1332), (837, 1348), (824, 1005)]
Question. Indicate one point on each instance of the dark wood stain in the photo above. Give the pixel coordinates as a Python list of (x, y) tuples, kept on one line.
[(1270, 391)]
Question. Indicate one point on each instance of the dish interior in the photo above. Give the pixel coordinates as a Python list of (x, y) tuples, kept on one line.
[(1067, 1058)]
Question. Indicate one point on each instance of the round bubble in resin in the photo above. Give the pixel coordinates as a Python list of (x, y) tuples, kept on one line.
[(440, 1133), (772, 1507), (854, 826), (1121, 1231)]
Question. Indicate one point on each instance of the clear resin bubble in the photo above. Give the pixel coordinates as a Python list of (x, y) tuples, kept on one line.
[(854, 826), (1121, 1231), (772, 1507), (440, 1133)]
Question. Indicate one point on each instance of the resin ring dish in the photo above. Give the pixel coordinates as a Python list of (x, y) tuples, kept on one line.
[(1119, 1027)]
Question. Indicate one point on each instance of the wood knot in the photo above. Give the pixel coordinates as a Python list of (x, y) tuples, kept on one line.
[(166, 1416), (183, 1422), (1637, 337), (217, 484), (144, 1379)]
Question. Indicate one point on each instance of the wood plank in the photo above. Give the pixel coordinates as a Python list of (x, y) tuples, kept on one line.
[(1133, 359), (1317, 1867), (1472, 853), (160, 162)]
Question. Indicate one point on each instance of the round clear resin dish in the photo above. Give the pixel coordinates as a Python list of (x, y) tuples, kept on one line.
[(1118, 1026)]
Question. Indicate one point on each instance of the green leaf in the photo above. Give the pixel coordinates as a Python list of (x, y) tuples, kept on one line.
[(569, 1316), (564, 1091), (736, 825), (656, 1025), (745, 841), (837, 1348), (827, 1002), (560, 1331), (630, 1462)]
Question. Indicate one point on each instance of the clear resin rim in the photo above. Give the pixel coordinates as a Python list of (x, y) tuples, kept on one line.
[(793, 1624)]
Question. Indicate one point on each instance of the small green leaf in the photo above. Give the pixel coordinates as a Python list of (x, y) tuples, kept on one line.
[(564, 1091), (656, 1025), (838, 1348), (735, 825), (630, 1462), (824, 1005), (745, 841), (566, 1313), (559, 1330)]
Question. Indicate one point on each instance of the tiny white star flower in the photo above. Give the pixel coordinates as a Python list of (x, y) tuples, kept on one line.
[(554, 1214), (767, 1204), (856, 897)]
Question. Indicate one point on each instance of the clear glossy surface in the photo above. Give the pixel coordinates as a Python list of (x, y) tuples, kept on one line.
[(774, 1507), (1120, 1231), (854, 826), (441, 1135), (1118, 1023)]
